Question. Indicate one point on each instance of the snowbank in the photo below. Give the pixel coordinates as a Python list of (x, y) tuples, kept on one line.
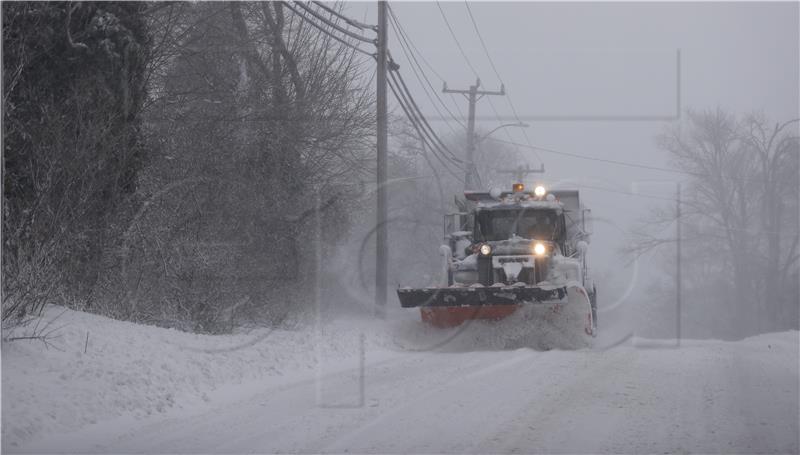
[(144, 372), (135, 371), (137, 378)]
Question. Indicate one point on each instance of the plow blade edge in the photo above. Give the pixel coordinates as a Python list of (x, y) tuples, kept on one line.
[(478, 296)]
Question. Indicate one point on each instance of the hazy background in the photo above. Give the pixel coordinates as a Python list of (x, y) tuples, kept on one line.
[(609, 60), (209, 185)]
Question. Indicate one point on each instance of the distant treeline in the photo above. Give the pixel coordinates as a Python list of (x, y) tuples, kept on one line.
[(740, 226)]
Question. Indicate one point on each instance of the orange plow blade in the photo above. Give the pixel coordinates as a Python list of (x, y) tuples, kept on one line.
[(453, 316)]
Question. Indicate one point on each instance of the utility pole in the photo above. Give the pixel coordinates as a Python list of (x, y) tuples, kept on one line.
[(473, 95), (381, 237), (678, 284)]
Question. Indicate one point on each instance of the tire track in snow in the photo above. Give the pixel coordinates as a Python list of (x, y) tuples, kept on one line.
[(413, 405)]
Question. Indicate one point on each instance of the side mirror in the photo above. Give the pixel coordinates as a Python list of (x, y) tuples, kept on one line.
[(454, 222), (586, 221), (459, 242), (460, 203)]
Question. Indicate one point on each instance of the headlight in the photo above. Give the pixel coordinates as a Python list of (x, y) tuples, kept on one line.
[(539, 249), (486, 249), (539, 191)]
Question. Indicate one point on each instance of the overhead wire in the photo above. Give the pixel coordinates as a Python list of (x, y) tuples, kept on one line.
[(700, 211), (425, 141), (483, 43), (349, 21), (499, 78), (627, 193), (592, 158), (327, 32), (508, 135), (466, 59), (411, 108), (418, 120), (534, 148), (622, 163), (396, 84), (417, 52), (419, 73), (335, 26), (475, 73), (412, 111), (455, 39), (422, 117)]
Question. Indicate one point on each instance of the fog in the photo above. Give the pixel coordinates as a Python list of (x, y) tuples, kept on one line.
[(191, 255), (602, 80)]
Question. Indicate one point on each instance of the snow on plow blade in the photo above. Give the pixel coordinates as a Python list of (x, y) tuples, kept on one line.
[(449, 307), (478, 296)]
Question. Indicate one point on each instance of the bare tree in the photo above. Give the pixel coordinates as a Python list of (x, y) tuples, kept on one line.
[(739, 212), (258, 113), (776, 155), (72, 94)]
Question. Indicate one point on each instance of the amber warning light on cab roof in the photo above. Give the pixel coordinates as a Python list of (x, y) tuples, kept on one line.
[(518, 187)]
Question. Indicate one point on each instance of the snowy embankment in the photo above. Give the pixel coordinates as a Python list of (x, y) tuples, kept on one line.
[(94, 369), (351, 384)]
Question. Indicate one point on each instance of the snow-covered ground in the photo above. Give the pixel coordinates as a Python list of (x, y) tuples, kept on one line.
[(363, 385)]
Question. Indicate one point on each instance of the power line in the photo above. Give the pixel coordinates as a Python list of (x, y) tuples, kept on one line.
[(335, 26), (591, 158), (625, 163), (399, 89), (673, 199), (349, 21), (458, 44), (475, 72), (499, 78), (472, 92), (416, 51), (425, 142), (423, 119), (406, 48), (627, 193), (327, 32), (508, 135), (419, 122), (483, 43), (427, 94)]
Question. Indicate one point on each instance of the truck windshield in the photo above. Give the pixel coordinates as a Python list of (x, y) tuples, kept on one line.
[(540, 224)]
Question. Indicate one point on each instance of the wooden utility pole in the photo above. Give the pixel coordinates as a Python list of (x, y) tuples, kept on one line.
[(678, 284), (473, 95), (381, 237)]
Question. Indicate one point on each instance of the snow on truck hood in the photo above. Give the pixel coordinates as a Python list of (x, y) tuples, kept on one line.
[(521, 204)]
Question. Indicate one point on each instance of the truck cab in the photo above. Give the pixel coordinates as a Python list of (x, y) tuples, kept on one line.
[(531, 229), (508, 248)]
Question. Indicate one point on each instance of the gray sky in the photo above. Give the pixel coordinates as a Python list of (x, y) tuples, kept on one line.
[(607, 59)]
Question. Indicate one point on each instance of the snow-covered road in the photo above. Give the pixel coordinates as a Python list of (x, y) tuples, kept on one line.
[(706, 396)]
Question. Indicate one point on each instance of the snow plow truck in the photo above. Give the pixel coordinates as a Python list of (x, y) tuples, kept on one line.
[(507, 249)]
